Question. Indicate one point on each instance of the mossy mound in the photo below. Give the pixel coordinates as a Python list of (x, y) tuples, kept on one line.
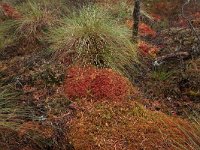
[(94, 83), (127, 125)]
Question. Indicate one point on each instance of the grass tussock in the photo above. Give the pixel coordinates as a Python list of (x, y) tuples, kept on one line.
[(30, 28), (95, 39)]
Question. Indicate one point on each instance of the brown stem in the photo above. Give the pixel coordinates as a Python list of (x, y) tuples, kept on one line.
[(136, 19)]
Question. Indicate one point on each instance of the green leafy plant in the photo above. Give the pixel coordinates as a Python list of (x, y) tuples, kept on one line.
[(94, 39)]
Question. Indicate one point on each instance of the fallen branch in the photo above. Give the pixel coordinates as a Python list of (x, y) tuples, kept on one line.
[(171, 56)]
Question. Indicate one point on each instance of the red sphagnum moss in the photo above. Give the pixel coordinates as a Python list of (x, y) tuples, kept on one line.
[(148, 49), (90, 82), (144, 29)]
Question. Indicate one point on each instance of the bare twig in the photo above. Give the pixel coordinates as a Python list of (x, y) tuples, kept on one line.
[(173, 55), (136, 18)]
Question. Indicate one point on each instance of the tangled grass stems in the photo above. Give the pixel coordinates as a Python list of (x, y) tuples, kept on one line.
[(95, 39), (190, 134), (12, 111), (193, 136), (8, 108)]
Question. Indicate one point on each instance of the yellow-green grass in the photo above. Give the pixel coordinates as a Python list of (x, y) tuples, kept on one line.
[(31, 27), (94, 38)]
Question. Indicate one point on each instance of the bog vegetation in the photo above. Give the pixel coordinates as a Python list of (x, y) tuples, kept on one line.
[(73, 77)]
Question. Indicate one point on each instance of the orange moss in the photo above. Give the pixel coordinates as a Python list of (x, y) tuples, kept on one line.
[(95, 83), (194, 18), (144, 30), (10, 11), (156, 17), (125, 125), (146, 48), (166, 8)]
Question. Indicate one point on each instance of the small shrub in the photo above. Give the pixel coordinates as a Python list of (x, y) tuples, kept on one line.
[(95, 83), (95, 39)]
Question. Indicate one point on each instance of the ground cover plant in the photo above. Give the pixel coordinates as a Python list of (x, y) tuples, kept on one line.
[(74, 76), (128, 125)]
